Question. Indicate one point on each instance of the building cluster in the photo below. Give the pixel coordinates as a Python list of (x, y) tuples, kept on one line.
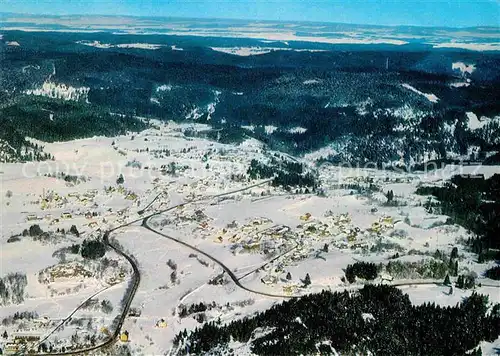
[(120, 189), (21, 342), (84, 198), (63, 271), (309, 238), (261, 236), (52, 200), (345, 178), (49, 217), (342, 230), (209, 185), (82, 205)]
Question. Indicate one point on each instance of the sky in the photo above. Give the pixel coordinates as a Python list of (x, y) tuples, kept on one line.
[(448, 13)]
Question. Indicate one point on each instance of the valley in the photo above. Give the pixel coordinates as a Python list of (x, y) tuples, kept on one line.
[(200, 230)]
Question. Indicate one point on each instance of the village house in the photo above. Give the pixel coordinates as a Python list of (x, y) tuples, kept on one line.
[(124, 336), (32, 217), (11, 348), (269, 279), (26, 338), (43, 321), (161, 323)]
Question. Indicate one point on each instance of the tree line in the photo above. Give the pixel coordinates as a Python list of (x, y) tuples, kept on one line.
[(394, 326), (474, 203)]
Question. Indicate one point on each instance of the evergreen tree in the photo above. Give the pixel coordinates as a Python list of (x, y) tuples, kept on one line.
[(477, 352), (35, 230), (307, 280), (447, 280), (451, 265), (92, 249), (120, 179), (73, 230)]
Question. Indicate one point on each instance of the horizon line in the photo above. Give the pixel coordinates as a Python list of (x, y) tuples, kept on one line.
[(244, 19)]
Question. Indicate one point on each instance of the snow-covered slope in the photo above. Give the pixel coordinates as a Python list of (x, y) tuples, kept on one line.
[(431, 97), (61, 91)]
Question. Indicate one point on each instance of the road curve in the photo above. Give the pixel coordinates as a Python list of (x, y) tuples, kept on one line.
[(226, 269), (136, 278), (63, 321)]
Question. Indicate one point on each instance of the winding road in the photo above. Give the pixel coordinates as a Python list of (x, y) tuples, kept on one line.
[(136, 277)]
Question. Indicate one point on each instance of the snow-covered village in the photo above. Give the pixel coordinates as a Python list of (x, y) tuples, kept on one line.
[(200, 230)]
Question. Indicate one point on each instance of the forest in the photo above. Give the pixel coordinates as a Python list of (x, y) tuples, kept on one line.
[(376, 319), (365, 270), (29, 117), (12, 287), (92, 249), (345, 97), (71, 120), (284, 173), (474, 203)]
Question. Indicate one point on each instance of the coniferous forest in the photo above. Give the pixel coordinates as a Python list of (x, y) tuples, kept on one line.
[(293, 101), (474, 203), (376, 319), (287, 174), (50, 120)]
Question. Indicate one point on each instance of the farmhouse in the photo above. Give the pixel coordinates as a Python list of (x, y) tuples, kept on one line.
[(66, 215), (11, 348), (161, 323), (124, 336), (32, 217), (26, 338)]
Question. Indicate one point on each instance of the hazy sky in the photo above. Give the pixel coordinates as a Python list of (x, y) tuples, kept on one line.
[(451, 13)]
